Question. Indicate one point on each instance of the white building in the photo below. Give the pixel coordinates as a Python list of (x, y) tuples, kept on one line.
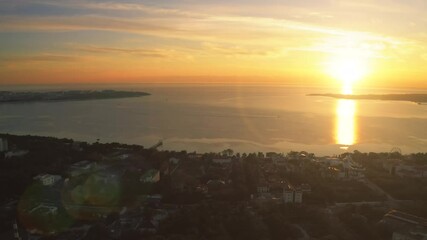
[(4, 146), (292, 195), (298, 196), (48, 179), (288, 194)]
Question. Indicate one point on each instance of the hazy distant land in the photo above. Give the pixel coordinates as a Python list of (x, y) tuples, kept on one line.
[(417, 98), (74, 95)]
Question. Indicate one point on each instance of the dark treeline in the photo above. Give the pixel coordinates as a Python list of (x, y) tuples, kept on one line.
[(16, 97)]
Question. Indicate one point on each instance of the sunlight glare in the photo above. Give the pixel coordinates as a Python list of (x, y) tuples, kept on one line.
[(349, 61), (348, 68), (345, 122)]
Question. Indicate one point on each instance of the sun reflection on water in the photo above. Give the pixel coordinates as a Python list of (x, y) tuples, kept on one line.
[(345, 132)]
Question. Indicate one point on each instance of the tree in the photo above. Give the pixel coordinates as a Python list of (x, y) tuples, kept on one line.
[(227, 152)]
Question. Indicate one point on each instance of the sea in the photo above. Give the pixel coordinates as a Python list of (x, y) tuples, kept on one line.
[(213, 117)]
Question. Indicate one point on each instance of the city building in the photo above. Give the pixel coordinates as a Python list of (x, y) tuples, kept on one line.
[(297, 195), (292, 194), (288, 194)]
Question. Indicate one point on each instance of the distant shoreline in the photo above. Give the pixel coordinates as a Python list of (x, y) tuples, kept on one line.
[(61, 96), (416, 98)]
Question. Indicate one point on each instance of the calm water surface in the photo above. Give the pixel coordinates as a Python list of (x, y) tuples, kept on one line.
[(213, 118)]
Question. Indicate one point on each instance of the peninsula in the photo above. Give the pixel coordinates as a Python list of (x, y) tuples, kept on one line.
[(417, 98), (72, 95)]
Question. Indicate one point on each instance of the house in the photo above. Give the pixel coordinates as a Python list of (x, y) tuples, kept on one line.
[(150, 176), (4, 145), (48, 179)]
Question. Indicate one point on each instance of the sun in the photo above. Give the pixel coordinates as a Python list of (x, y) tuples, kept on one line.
[(348, 68)]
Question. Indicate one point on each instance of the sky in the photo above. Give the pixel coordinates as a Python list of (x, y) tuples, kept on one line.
[(312, 42)]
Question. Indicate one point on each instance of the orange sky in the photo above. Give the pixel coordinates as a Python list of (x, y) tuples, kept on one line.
[(287, 42)]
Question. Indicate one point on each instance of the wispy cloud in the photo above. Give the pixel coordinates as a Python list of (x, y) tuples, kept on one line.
[(130, 51), (40, 58), (236, 50)]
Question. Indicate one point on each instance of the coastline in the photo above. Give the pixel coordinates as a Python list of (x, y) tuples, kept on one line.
[(63, 96), (416, 98)]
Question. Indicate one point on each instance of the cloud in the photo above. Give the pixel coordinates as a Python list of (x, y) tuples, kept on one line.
[(234, 30), (40, 58), (236, 50), (75, 23), (235, 22), (214, 28), (214, 34), (131, 51)]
